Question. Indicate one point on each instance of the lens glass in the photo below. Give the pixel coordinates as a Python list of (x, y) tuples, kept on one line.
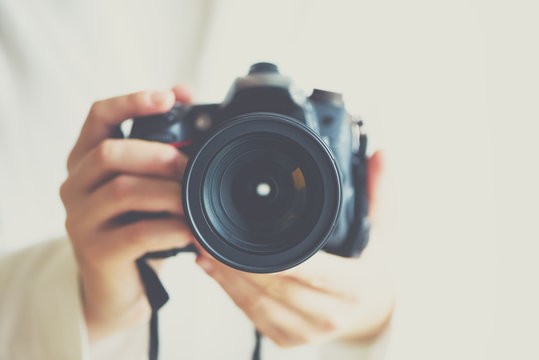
[(262, 192)]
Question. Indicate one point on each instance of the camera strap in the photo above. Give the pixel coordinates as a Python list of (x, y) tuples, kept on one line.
[(155, 292), (157, 297)]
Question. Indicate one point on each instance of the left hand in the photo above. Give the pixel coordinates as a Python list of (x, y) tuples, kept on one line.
[(327, 297)]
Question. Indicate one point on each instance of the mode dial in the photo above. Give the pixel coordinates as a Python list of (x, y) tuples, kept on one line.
[(324, 96), (263, 67)]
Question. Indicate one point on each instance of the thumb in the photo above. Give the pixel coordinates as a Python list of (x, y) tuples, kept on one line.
[(375, 172)]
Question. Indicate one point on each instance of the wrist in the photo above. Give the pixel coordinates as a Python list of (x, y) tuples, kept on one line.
[(100, 326), (368, 332), (108, 310)]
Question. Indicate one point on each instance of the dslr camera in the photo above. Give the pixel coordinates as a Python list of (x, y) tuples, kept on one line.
[(273, 175)]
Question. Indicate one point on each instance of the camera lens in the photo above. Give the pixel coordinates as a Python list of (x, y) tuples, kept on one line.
[(263, 193)]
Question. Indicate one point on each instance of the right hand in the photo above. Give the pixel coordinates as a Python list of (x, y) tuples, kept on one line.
[(111, 177)]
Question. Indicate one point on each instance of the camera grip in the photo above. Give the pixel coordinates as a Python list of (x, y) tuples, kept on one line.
[(358, 233), (171, 127)]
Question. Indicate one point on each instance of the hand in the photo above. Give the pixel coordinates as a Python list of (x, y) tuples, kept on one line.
[(107, 179), (327, 297)]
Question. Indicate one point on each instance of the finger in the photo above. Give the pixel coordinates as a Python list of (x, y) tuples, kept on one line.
[(375, 169), (182, 93), (248, 303), (277, 321), (106, 115), (129, 193), (328, 273), (322, 309), (136, 157), (129, 242)]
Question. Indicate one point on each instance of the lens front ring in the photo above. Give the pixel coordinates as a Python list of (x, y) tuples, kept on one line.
[(321, 176)]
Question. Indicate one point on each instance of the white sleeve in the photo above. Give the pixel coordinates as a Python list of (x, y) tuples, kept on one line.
[(131, 344), (40, 312), (41, 315)]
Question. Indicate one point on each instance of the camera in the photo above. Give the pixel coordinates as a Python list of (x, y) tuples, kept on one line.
[(273, 175)]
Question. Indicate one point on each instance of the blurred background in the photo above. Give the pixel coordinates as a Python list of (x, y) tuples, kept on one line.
[(448, 89)]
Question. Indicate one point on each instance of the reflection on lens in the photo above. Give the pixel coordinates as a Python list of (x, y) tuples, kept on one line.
[(263, 189), (299, 180)]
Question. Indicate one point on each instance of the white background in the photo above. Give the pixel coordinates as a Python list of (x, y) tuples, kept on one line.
[(449, 90)]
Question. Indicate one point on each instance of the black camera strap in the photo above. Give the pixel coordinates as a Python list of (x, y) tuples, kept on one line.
[(155, 292), (258, 345), (157, 297)]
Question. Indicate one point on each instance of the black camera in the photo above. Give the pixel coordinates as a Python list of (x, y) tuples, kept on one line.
[(273, 176)]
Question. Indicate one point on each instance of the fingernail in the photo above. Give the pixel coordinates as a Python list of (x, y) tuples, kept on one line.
[(205, 264), (170, 154), (160, 98)]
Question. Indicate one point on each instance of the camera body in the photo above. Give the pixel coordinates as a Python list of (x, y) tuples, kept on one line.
[(273, 176)]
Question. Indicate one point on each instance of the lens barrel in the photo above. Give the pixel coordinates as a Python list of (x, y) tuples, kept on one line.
[(262, 193)]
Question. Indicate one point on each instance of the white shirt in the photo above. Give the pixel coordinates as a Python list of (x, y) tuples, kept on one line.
[(56, 58)]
